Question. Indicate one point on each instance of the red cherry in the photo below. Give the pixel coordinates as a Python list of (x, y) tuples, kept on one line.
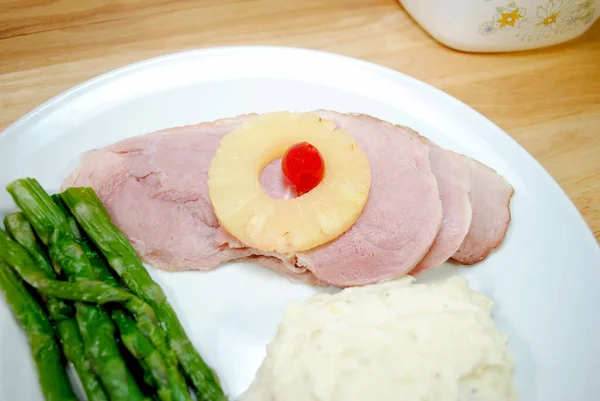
[(303, 167)]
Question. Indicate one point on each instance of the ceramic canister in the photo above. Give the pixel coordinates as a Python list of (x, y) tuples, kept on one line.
[(503, 25)]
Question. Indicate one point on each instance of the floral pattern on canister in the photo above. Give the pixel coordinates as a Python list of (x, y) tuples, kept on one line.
[(558, 16)]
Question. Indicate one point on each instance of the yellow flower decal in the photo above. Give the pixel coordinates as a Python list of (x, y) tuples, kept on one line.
[(549, 20), (509, 19), (557, 16)]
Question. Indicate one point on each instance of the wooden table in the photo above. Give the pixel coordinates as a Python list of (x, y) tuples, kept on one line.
[(548, 100)]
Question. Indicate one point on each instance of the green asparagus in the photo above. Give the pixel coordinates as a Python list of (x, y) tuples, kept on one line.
[(95, 292), (73, 226), (93, 218), (66, 327), (98, 335), (142, 349), (85, 291), (21, 231), (95, 325), (19, 228), (74, 350), (177, 385), (52, 375), (103, 273), (145, 316)]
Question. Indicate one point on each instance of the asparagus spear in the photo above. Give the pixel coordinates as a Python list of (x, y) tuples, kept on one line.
[(98, 335), (47, 356), (97, 262), (19, 228), (101, 345), (73, 226), (95, 326), (96, 292), (74, 350), (142, 349), (21, 231), (146, 318), (93, 218), (66, 327), (86, 291), (53, 225), (141, 372)]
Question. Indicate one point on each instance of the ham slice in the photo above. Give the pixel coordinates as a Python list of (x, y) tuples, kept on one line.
[(453, 174), (154, 189), (403, 214), (490, 197)]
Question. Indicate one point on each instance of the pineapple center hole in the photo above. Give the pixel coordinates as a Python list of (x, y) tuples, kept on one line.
[(274, 183)]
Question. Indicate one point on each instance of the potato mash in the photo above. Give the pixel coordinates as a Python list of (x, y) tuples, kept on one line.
[(388, 342)]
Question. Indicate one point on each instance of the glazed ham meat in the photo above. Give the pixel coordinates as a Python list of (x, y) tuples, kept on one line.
[(426, 204)]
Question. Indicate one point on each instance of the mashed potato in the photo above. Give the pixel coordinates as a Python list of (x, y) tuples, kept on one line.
[(392, 341)]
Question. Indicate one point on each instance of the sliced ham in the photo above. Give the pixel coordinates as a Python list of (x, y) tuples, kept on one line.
[(490, 197), (453, 176), (154, 188), (403, 214)]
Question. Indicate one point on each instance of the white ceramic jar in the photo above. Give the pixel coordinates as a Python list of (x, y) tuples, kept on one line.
[(503, 25)]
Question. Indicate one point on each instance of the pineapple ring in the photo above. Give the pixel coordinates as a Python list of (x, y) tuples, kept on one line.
[(287, 225)]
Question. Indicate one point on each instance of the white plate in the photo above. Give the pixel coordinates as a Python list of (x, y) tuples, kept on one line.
[(544, 278)]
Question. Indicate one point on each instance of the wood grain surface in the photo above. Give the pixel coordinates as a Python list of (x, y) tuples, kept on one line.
[(548, 100)]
